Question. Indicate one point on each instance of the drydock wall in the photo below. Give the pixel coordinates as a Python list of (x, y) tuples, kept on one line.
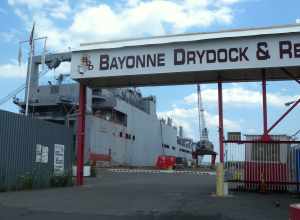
[(27, 148)]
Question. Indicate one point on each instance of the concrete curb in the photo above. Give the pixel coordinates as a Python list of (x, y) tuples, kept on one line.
[(162, 171)]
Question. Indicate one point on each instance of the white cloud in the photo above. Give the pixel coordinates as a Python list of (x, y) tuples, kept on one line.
[(126, 18), (61, 11), (298, 20), (46, 5), (12, 70), (58, 9), (29, 3), (240, 96), (90, 21), (188, 119), (139, 18)]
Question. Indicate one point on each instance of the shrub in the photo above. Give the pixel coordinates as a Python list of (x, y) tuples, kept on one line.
[(61, 181), (3, 188), (25, 181), (93, 171)]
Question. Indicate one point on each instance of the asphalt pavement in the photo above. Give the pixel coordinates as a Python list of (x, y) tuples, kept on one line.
[(143, 196)]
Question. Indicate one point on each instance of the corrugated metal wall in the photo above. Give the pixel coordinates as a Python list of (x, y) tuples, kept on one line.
[(19, 136)]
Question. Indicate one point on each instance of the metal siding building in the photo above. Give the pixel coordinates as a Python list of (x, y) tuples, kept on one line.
[(19, 137)]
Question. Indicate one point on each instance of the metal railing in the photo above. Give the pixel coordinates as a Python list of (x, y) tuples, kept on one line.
[(260, 166)]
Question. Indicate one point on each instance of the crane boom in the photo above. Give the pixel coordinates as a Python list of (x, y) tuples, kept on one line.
[(203, 131)]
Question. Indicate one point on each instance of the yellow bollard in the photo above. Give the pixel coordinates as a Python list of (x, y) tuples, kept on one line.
[(220, 180)]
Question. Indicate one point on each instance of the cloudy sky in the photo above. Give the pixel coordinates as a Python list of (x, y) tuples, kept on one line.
[(69, 23)]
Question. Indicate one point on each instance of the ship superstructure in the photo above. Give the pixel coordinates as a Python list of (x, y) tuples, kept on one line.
[(121, 124)]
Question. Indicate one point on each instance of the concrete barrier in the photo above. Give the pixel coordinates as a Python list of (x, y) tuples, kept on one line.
[(294, 212)]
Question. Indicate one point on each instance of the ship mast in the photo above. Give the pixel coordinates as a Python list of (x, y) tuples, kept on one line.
[(31, 44)]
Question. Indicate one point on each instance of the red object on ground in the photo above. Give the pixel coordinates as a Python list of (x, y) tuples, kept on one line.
[(99, 157), (294, 212), (257, 172), (165, 162)]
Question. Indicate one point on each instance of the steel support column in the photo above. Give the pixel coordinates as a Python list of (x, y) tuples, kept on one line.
[(265, 136), (264, 102), (221, 128), (80, 134)]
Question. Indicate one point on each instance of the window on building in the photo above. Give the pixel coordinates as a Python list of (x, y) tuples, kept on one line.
[(185, 151), (121, 134), (166, 146)]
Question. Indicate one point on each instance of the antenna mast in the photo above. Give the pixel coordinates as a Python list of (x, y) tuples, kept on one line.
[(31, 43)]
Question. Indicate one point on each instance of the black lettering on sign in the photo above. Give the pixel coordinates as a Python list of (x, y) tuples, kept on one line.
[(179, 57), (233, 55), (151, 60), (161, 59), (297, 50), (114, 64), (210, 56), (243, 54), (130, 61), (104, 62), (121, 61), (222, 55), (140, 61), (285, 48), (191, 57), (200, 55), (262, 52)]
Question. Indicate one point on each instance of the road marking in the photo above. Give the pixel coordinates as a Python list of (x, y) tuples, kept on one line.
[(162, 171)]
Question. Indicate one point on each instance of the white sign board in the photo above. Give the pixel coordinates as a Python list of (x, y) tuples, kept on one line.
[(41, 154), (45, 151), (38, 153), (237, 53), (59, 154)]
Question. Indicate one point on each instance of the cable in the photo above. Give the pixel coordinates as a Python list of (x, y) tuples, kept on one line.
[(19, 89), (296, 133)]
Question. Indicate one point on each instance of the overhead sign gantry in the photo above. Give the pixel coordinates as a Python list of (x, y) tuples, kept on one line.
[(229, 56), (237, 55)]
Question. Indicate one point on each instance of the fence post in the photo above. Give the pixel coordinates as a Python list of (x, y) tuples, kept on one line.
[(220, 166), (220, 179), (80, 134)]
